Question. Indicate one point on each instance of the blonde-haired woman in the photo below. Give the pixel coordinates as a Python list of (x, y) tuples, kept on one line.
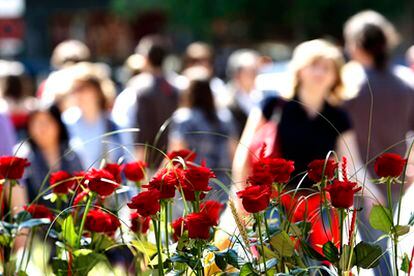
[(310, 122)]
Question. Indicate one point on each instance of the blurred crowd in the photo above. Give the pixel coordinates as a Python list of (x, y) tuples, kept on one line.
[(321, 102)]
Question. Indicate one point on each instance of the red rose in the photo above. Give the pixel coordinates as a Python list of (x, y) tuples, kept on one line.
[(342, 193), (146, 203), (179, 227), (316, 169), (165, 182), (197, 178), (38, 211), (260, 175), (101, 222), (187, 155), (115, 170), (135, 171), (189, 194), (62, 182), (389, 165), (280, 169), (255, 198), (12, 167), (139, 224), (101, 181), (198, 225), (212, 209)]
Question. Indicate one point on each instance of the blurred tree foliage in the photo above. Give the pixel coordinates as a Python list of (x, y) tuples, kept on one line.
[(284, 19)]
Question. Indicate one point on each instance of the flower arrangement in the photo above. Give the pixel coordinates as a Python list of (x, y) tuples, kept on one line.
[(276, 230)]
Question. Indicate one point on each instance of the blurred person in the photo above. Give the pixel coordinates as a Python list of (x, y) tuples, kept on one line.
[(201, 54), (200, 126), (56, 86), (409, 55), (307, 125), (48, 152), (7, 137), (124, 111), (369, 40), (382, 111), (17, 97), (242, 69), (88, 121), (156, 100), (69, 52)]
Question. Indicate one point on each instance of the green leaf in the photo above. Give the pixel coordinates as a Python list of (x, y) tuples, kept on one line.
[(282, 243), (86, 259), (367, 255), (405, 264), (220, 261), (22, 216), (5, 239), (145, 247), (22, 273), (60, 267), (380, 218), (154, 261), (309, 251), (401, 230), (232, 258), (100, 242), (331, 252), (247, 270), (68, 232), (33, 223)]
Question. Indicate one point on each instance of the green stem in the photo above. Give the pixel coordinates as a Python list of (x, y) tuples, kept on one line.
[(158, 242), (8, 249), (11, 184), (167, 237), (258, 221), (117, 214), (30, 249), (389, 196), (394, 237), (197, 202), (200, 269), (341, 234), (85, 212)]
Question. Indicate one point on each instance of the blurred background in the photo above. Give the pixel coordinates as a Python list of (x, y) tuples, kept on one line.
[(29, 30)]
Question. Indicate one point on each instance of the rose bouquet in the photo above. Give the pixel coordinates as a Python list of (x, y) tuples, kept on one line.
[(117, 212)]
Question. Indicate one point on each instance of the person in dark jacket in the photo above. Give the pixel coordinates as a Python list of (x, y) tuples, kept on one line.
[(156, 101), (49, 151)]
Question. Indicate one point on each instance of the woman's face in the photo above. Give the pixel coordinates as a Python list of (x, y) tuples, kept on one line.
[(320, 75), (43, 129), (86, 96)]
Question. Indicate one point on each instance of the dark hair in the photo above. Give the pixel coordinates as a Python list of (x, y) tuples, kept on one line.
[(55, 113), (372, 40), (199, 95), (374, 34), (154, 48), (14, 87)]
